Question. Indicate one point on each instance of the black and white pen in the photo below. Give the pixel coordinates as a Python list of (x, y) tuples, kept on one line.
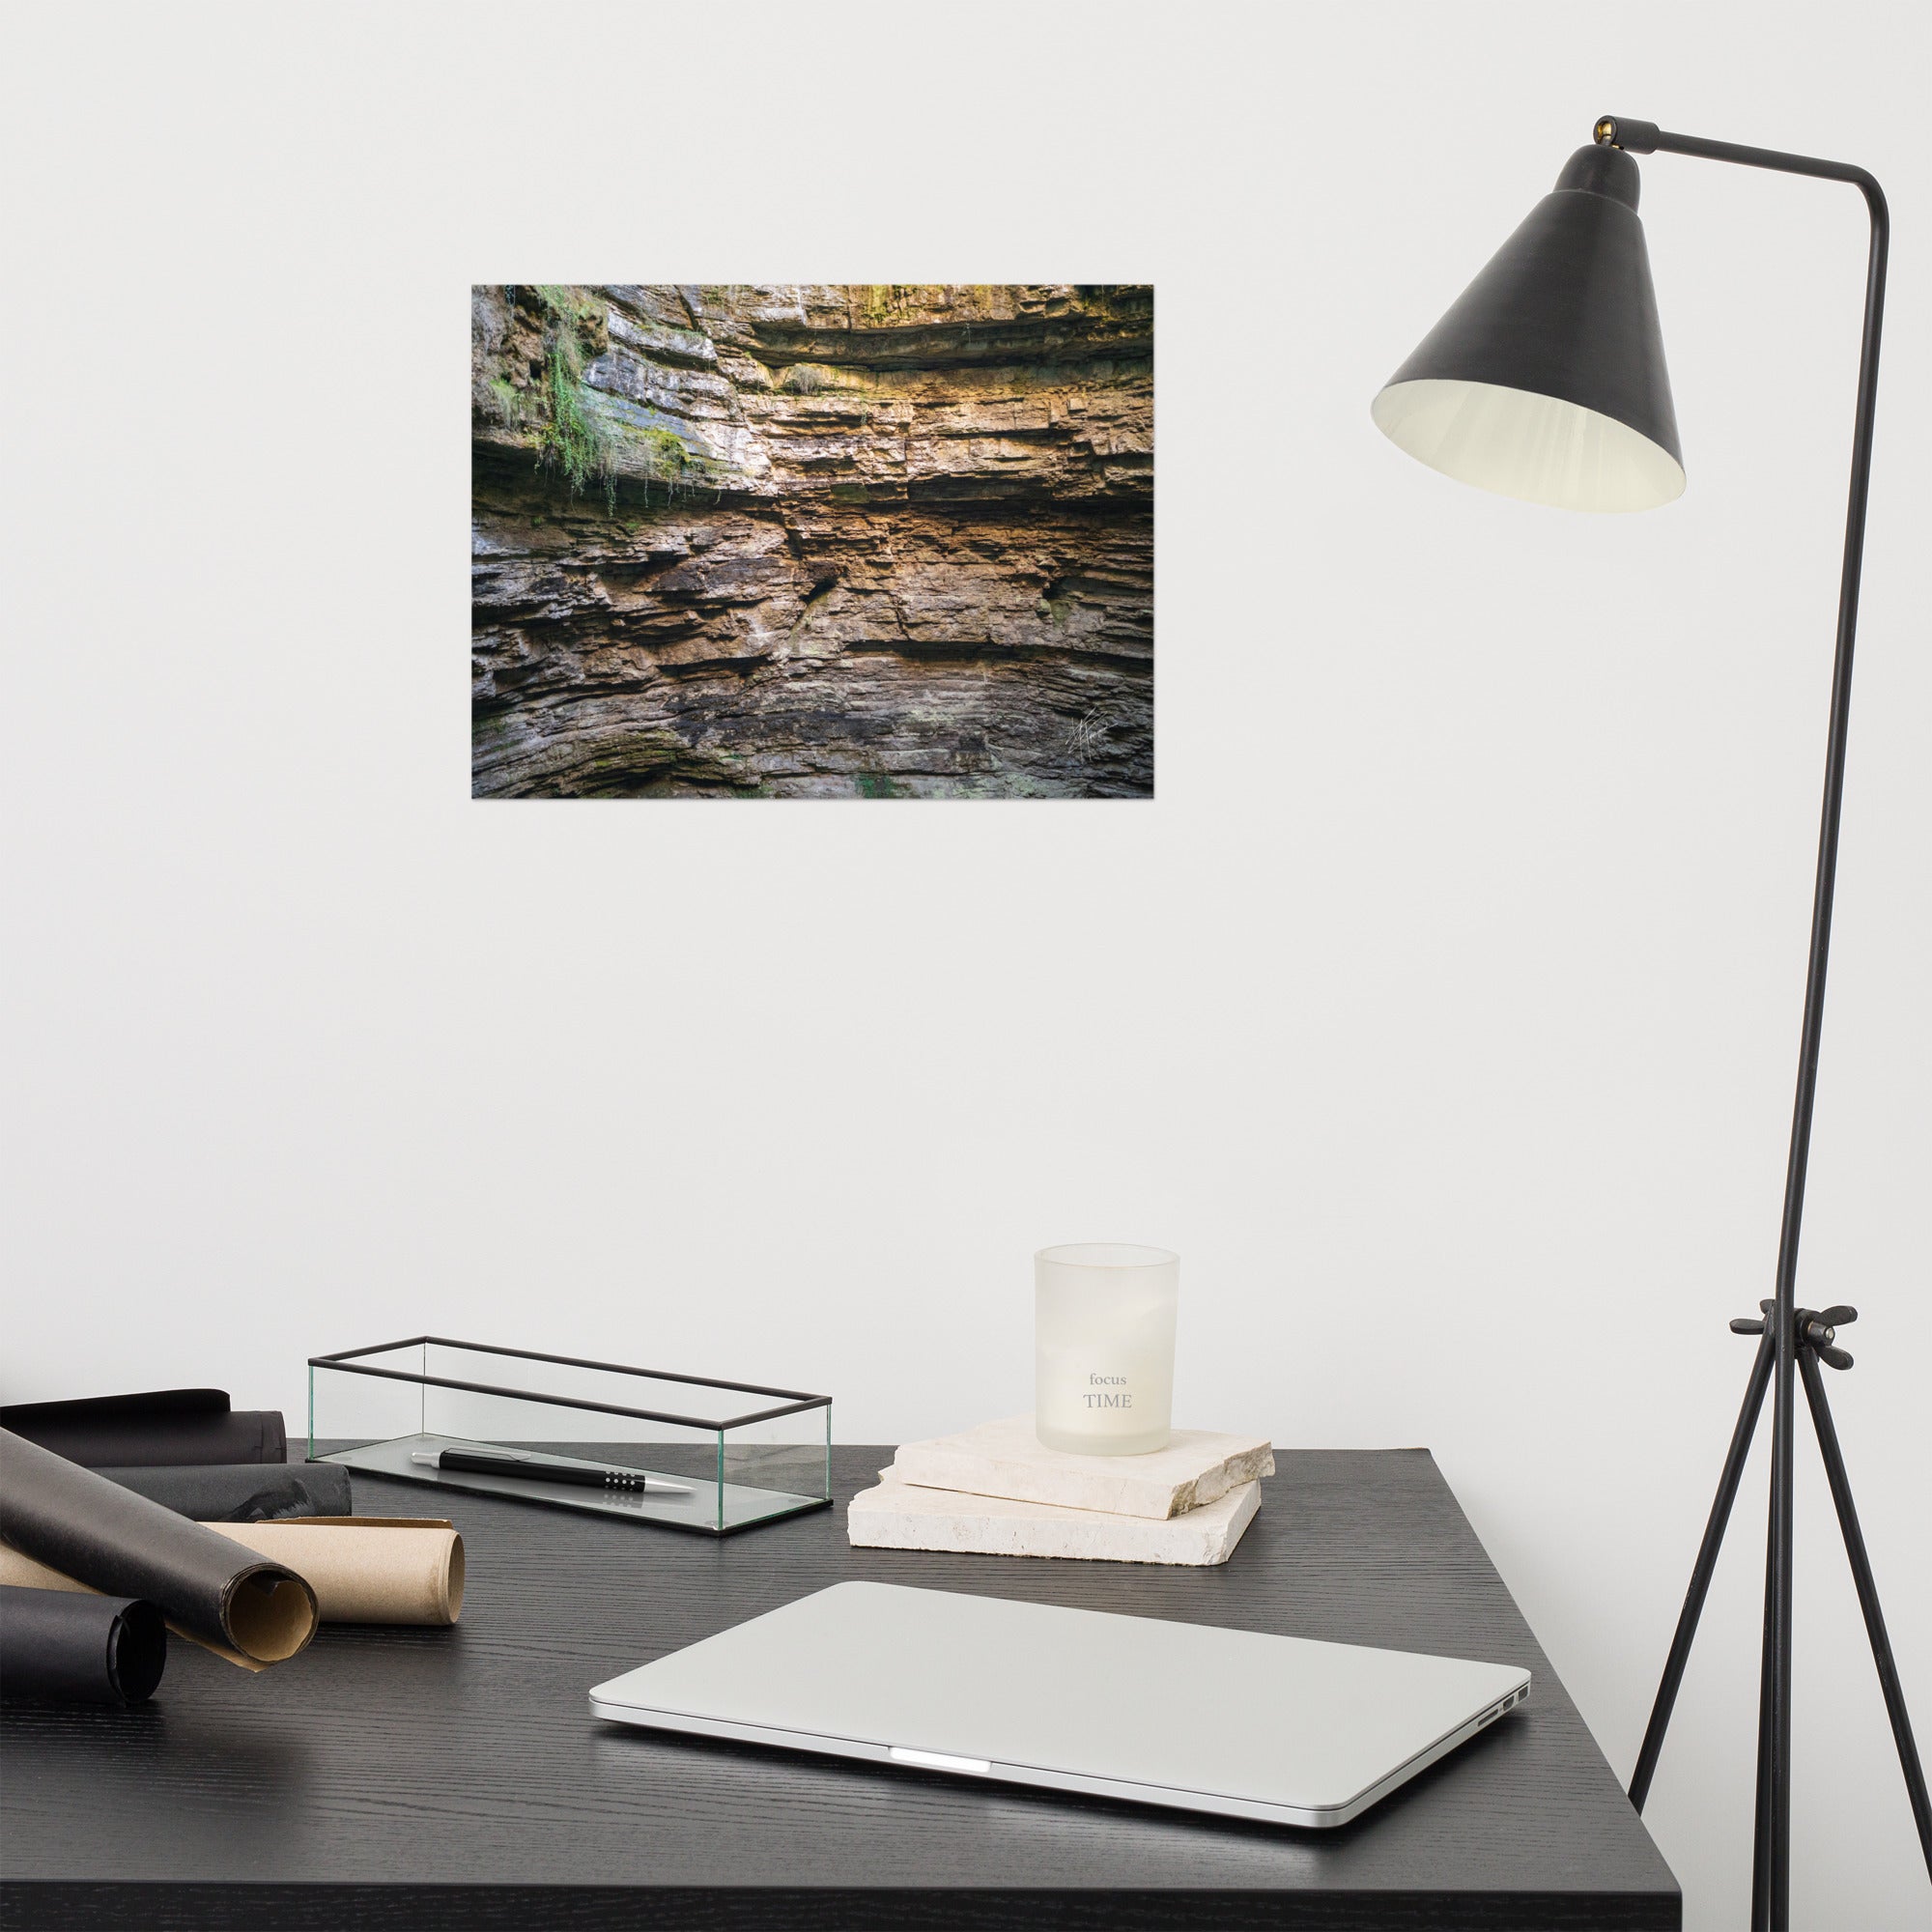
[(535, 1469)]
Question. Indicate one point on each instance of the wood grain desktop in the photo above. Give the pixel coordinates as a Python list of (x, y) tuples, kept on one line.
[(438, 1778)]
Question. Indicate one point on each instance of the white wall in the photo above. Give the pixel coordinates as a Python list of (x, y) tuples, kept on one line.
[(1443, 1009)]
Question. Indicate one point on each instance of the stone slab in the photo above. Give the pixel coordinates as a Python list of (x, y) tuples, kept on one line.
[(903, 1516), (1007, 1459)]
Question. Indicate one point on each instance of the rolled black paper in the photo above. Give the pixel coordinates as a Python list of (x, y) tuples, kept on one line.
[(161, 1426), (242, 1492), (80, 1649), (208, 1587)]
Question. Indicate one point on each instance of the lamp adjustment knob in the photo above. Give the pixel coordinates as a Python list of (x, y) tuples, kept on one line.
[(1619, 130)]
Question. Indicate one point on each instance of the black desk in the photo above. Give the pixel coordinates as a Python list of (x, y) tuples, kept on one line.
[(432, 1778)]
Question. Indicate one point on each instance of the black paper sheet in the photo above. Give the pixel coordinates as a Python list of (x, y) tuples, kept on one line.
[(160, 1426), (242, 1492), (218, 1592), (58, 1645)]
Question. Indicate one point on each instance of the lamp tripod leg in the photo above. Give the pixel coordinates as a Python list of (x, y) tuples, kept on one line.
[(1762, 1827), (1701, 1572), (1808, 1336), (1867, 1588), (1778, 1646)]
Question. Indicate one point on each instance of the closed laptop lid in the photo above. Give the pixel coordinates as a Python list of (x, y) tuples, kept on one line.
[(1279, 1721)]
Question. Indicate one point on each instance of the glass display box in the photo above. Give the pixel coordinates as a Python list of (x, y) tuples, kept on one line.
[(683, 1452)]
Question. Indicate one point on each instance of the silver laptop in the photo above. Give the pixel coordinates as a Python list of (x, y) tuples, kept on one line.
[(1279, 1729)]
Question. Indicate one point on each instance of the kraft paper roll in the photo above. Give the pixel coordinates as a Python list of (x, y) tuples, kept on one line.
[(242, 1492), (74, 1649), (367, 1570), (363, 1570), (157, 1425), (87, 1532)]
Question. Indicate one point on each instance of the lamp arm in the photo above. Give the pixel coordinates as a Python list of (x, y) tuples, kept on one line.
[(1771, 1905), (1646, 137)]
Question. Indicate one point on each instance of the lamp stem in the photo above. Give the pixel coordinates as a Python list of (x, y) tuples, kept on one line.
[(1772, 1900), (1777, 1636)]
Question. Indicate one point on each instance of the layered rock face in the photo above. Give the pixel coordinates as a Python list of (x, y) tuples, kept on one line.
[(813, 541)]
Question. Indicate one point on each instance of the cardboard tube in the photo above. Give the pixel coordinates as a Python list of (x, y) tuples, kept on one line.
[(89, 1533), (363, 1570), (366, 1570)]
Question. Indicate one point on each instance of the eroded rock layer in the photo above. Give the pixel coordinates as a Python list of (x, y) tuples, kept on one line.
[(823, 541)]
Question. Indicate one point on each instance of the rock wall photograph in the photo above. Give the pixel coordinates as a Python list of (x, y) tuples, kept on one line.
[(812, 541)]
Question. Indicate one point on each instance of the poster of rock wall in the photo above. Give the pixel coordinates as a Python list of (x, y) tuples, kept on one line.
[(838, 541)]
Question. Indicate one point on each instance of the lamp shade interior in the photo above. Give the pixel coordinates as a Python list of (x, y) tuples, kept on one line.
[(1519, 443)]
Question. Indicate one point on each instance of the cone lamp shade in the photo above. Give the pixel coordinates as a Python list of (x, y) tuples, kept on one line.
[(1546, 381)]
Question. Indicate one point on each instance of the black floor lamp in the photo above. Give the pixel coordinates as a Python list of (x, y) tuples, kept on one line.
[(1547, 382)]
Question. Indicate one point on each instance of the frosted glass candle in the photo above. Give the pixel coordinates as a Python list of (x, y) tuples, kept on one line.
[(1103, 1347)]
